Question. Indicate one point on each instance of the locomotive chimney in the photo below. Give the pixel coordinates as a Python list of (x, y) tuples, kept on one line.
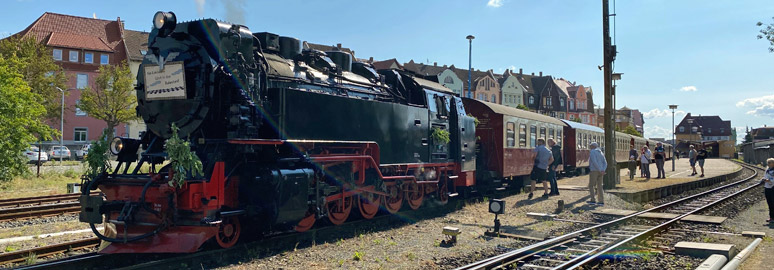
[(541, 74), (371, 59), (435, 64), (521, 72)]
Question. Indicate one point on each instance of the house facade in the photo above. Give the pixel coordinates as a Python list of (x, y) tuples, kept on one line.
[(80, 46), (136, 47), (484, 85), (626, 117), (441, 74), (578, 106), (512, 92), (552, 99), (711, 131)]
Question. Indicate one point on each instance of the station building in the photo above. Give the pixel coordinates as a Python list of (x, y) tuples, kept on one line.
[(711, 131)]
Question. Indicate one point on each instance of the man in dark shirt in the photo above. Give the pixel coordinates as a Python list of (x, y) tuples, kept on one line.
[(700, 156), (557, 154), (660, 154)]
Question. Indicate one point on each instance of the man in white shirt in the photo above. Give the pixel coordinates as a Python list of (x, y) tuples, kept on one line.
[(597, 166)]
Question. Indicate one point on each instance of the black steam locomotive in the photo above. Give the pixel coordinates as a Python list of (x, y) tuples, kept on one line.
[(287, 135)]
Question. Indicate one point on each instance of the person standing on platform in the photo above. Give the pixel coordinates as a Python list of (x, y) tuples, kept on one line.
[(543, 157), (660, 155), (556, 151), (692, 159), (645, 161), (632, 162), (702, 154), (597, 166), (768, 187)]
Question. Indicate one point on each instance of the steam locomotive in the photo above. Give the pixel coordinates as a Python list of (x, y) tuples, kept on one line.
[(287, 135)]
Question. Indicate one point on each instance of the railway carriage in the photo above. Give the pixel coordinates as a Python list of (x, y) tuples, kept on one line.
[(506, 138)]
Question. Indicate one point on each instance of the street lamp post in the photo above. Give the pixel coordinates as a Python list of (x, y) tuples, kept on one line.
[(61, 128), (674, 143), (470, 61)]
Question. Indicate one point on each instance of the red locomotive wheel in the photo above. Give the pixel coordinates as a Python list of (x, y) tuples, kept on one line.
[(369, 204), (393, 202), (306, 223), (415, 193), (338, 210), (228, 232)]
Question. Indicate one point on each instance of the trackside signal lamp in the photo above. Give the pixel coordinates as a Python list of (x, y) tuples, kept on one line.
[(165, 22), (497, 207)]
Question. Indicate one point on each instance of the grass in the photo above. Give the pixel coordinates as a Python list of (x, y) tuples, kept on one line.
[(55, 162), (358, 256), (49, 183)]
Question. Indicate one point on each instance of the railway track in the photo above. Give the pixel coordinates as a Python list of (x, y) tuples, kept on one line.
[(42, 206), (49, 250), (587, 246)]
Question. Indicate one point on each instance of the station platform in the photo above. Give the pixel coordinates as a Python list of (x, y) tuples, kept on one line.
[(641, 190)]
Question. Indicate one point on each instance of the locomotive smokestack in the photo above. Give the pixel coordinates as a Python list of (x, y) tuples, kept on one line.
[(521, 72), (541, 74), (435, 64), (371, 59)]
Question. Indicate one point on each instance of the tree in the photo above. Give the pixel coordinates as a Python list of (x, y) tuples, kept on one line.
[(112, 100), (37, 67), (521, 106), (767, 33), (632, 131), (578, 120), (20, 119)]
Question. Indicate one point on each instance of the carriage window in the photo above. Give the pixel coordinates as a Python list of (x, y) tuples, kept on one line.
[(522, 135), (551, 133), (559, 136), (578, 141), (543, 133), (510, 134), (533, 135), (585, 140)]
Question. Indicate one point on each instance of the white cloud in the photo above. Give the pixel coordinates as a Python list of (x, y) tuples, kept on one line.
[(495, 3), (654, 113), (762, 106), (652, 131), (689, 88)]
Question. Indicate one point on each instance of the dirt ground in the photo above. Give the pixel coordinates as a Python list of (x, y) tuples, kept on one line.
[(754, 219)]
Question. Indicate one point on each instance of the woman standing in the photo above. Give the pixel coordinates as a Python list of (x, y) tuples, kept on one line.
[(645, 161), (660, 154), (768, 184)]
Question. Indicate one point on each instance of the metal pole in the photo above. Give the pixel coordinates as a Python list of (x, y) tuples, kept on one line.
[(612, 166), (470, 62), (674, 143), (61, 128)]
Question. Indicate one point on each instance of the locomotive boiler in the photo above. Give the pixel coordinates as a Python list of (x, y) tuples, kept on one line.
[(287, 136)]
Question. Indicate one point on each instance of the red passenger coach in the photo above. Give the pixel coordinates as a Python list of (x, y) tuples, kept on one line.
[(578, 137), (506, 137)]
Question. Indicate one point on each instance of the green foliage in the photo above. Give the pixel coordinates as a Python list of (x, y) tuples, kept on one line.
[(21, 119), (182, 160), (578, 120), (767, 32), (31, 259), (522, 107), (358, 256), (475, 120), (112, 99), (440, 135), (37, 67), (97, 160), (632, 131)]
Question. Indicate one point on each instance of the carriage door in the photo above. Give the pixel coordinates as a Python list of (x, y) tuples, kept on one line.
[(440, 135)]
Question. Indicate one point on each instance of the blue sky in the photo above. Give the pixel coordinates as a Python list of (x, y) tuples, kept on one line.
[(701, 55)]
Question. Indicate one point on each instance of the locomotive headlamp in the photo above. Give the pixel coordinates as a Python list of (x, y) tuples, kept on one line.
[(496, 206), (164, 21), (125, 149)]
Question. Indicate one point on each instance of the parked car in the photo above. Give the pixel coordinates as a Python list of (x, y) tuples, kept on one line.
[(57, 152), (34, 155), (82, 152)]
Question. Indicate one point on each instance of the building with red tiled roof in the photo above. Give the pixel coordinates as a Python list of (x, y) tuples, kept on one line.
[(80, 45)]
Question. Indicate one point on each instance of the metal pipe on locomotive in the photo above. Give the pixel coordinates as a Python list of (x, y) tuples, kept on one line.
[(287, 135)]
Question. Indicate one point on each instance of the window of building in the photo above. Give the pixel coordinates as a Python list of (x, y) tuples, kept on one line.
[(510, 134), (533, 136), (81, 81), (448, 79), (494, 98), (88, 58), (531, 100), (709, 130), (79, 112), (58, 54), (80, 134), (561, 102), (572, 105), (73, 56), (682, 129), (722, 130), (104, 59), (522, 135)]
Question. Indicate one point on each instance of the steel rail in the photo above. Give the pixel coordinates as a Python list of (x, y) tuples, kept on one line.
[(41, 213), (22, 255), (578, 262), (41, 199), (533, 249)]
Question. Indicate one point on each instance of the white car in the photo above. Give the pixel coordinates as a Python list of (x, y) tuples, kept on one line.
[(57, 152), (34, 155), (83, 151)]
